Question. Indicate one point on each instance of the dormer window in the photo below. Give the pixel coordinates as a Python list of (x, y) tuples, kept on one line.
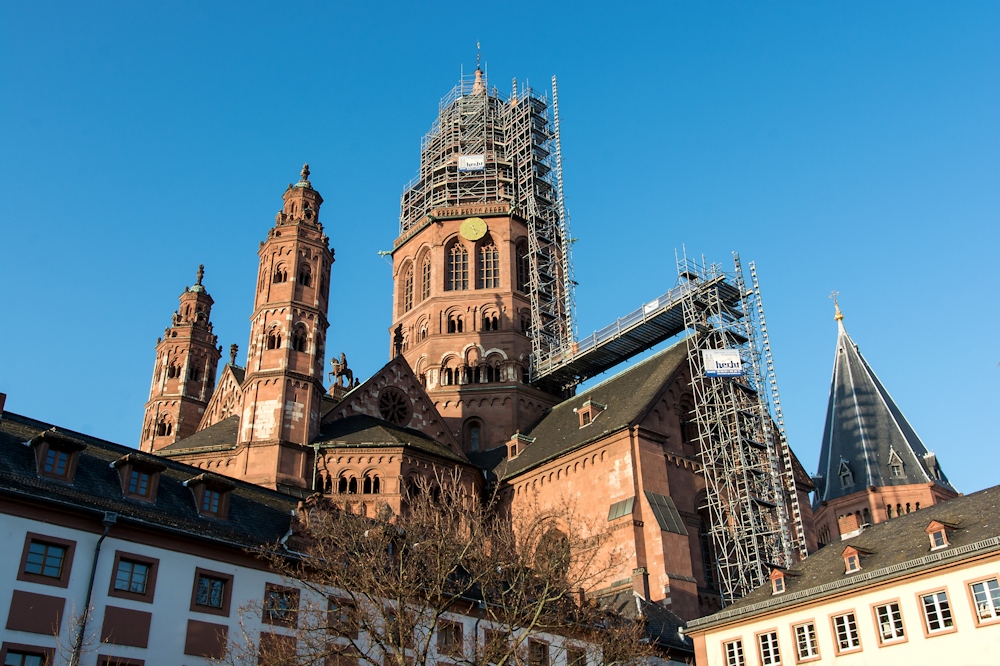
[(211, 495), (846, 475), (895, 464), (852, 559), (140, 476), (56, 454), (778, 581), (517, 444), (937, 532), (589, 411)]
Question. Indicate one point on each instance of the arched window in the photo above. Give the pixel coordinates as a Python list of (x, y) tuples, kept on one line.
[(273, 339), (454, 323), (347, 484), (194, 371), (299, 339), (280, 274), (491, 322), (523, 266), (489, 265), (423, 332), (305, 275), (371, 485), (408, 289), (324, 284), (164, 427), (474, 434), (425, 278), (457, 270), (173, 370), (447, 377), (342, 485)]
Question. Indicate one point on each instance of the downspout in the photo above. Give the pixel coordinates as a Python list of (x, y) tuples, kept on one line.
[(110, 518)]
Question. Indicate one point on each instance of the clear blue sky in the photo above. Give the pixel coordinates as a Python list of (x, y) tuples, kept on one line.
[(849, 146)]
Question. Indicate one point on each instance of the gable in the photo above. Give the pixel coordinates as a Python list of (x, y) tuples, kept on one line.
[(394, 394), (227, 399)]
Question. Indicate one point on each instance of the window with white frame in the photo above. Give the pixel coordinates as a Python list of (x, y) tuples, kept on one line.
[(734, 653), (845, 628), (890, 622), (937, 612), (805, 641), (769, 653), (986, 595)]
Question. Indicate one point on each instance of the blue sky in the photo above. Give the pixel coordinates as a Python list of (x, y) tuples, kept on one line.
[(849, 146)]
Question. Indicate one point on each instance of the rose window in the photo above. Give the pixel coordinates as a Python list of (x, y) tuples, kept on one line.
[(394, 406)]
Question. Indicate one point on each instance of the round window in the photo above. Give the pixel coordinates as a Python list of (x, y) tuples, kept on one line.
[(394, 406)]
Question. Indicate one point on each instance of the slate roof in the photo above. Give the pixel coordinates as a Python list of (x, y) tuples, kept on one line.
[(626, 395), (218, 435), (363, 431), (893, 543), (864, 426), (256, 516), (662, 626)]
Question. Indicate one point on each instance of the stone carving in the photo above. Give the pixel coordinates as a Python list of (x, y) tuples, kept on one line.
[(340, 373)]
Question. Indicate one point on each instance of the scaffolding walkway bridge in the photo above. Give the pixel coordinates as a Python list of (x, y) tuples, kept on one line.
[(646, 327)]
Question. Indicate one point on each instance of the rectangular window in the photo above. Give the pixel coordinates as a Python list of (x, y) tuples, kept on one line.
[(734, 653), (937, 612), (281, 605), (56, 462), (342, 619), (576, 657), (986, 595), (131, 576), (768, 644), (805, 641), (538, 653), (890, 622), (18, 658), (449, 641), (845, 628), (138, 483), (45, 559), (210, 501), (212, 592), (938, 540)]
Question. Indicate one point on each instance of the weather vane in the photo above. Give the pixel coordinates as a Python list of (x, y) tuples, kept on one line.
[(479, 53)]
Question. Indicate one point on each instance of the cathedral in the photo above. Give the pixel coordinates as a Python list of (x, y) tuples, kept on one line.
[(481, 302)]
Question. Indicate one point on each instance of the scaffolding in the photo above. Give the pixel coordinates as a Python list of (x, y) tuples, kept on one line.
[(746, 464), (518, 141)]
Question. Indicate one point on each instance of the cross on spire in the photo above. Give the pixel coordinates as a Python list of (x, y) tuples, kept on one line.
[(839, 316)]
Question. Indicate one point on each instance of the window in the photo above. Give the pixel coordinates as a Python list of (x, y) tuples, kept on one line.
[(474, 433), (210, 501), (299, 339), (937, 612), (280, 274), (938, 540), (889, 622), (806, 646), (281, 605), (25, 657), (845, 631), (139, 475), (769, 653), (173, 371), (489, 266), (56, 462), (305, 275), (371, 485), (846, 476), (576, 657), (425, 278), (938, 535), (734, 653), (457, 273), (852, 563), (408, 289), (585, 418), (134, 577), (449, 639), (342, 620), (45, 559), (778, 585), (273, 340), (986, 596), (454, 323), (523, 266), (538, 653), (164, 427), (212, 592), (138, 483), (491, 322)]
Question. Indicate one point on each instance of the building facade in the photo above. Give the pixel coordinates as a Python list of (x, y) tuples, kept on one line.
[(921, 588)]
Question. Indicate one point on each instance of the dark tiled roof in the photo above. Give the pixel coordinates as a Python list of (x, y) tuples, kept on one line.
[(256, 515), (894, 542), (221, 434), (626, 395), (863, 427), (662, 626), (239, 373), (363, 431)]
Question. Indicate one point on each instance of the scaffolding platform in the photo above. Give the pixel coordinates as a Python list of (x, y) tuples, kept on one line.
[(646, 327)]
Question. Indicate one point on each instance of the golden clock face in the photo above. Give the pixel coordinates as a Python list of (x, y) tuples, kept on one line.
[(473, 229)]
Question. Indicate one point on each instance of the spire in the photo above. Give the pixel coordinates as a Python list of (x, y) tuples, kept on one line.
[(838, 315), (866, 435), (201, 274), (234, 349), (479, 86), (304, 177)]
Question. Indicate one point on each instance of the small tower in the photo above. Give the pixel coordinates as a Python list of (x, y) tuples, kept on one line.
[(283, 389), (184, 374), (873, 466)]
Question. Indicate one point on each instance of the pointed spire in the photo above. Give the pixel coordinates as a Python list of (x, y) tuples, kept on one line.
[(478, 87)]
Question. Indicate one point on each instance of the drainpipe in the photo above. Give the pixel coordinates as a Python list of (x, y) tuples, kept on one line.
[(110, 518)]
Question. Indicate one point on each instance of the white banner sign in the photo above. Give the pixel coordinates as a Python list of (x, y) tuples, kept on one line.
[(471, 162), (722, 363)]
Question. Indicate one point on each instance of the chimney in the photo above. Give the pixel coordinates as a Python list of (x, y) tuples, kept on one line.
[(640, 582), (848, 526)]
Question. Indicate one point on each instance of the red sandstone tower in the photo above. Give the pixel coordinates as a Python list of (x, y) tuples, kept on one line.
[(283, 388), (184, 374)]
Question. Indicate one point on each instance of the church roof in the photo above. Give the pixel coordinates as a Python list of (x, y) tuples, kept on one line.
[(626, 396), (221, 434), (866, 436), (363, 431)]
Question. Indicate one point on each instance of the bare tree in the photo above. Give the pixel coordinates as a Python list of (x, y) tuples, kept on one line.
[(393, 590)]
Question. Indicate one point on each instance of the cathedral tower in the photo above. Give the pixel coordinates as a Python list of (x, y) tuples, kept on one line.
[(283, 388), (184, 374), (872, 466), (481, 265)]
